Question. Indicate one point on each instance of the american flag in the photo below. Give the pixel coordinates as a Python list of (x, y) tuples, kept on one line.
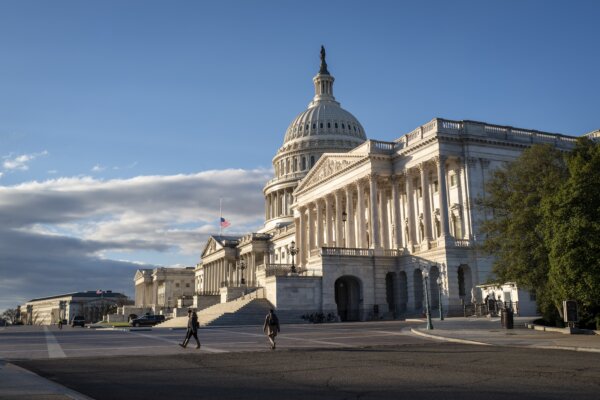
[(99, 291), (224, 223)]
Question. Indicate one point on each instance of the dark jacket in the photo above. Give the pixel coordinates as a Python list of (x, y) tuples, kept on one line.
[(193, 324)]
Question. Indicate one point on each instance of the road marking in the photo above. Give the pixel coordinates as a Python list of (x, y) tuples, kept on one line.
[(298, 339), (54, 349), (204, 348)]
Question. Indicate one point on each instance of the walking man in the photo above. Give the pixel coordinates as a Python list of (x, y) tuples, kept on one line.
[(192, 329), (271, 327)]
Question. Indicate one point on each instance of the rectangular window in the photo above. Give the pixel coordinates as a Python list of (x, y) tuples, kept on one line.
[(453, 180)]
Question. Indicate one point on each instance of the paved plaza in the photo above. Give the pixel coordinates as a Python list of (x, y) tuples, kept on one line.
[(461, 358)]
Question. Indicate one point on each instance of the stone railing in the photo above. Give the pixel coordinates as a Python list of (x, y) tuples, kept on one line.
[(474, 128), (356, 252), (282, 270), (342, 251), (286, 177), (376, 146), (462, 243)]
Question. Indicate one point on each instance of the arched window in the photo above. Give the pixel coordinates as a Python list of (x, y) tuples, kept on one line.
[(295, 164), (336, 125), (303, 163), (321, 125), (314, 126), (343, 127), (312, 161), (329, 125)]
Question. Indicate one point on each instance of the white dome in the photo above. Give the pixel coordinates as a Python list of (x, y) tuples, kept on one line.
[(325, 120)]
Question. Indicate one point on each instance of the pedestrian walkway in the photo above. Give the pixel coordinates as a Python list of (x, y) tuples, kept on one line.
[(17, 383), (489, 331)]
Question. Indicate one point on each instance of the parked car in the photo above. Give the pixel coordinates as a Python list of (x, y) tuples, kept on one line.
[(147, 320), (78, 321)]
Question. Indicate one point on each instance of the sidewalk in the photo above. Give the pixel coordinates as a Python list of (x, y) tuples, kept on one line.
[(489, 332), (17, 383)]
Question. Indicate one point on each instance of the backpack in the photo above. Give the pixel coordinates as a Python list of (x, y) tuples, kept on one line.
[(273, 320)]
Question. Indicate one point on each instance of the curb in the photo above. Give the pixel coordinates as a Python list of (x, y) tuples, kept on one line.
[(566, 331), (27, 384), (445, 339), (570, 348)]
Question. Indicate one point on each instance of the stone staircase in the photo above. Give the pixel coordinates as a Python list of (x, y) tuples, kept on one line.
[(246, 310)]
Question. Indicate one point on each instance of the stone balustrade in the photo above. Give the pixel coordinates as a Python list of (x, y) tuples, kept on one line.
[(474, 128)]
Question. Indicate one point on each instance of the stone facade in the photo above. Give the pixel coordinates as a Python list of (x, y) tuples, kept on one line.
[(361, 228), (91, 305), (161, 290)]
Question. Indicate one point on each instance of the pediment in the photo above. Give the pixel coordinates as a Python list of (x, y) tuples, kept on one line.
[(211, 247), (142, 273), (328, 166)]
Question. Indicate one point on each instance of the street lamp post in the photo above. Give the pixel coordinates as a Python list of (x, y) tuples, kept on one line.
[(439, 282), (427, 305), (242, 268), (344, 219), (293, 251)]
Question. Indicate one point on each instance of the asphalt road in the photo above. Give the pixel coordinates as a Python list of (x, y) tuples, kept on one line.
[(410, 371), (330, 361)]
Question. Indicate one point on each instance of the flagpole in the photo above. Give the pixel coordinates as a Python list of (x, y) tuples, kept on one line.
[(220, 215)]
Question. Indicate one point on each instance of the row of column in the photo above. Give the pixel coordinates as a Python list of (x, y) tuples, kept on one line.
[(214, 273), (321, 222), (278, 203)]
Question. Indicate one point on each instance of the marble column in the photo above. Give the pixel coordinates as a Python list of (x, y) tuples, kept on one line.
[(310, 229), (410, 210), (426, 203), (383, 223), (443, 199), (360, 209), (397, 243), (374, 215), (338, 220), (319, 212), (350, 243), (328, 222), (302, 238)]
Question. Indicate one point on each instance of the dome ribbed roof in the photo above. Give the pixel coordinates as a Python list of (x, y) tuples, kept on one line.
[(325, 118)]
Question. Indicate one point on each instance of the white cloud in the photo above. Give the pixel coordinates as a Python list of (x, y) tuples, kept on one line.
[(98, 168), (60, 228), (20, 162)]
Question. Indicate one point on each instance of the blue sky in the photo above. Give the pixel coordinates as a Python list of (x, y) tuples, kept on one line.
[(101, 98)]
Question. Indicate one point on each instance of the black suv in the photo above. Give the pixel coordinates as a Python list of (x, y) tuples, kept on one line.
[(147, 320), (78, 320)]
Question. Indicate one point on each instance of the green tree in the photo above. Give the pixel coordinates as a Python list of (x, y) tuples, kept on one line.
[(10, 315), (573, 231), (514, 233)]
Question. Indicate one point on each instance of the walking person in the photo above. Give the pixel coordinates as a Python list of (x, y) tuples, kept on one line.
[(192, 329), (271, 327)]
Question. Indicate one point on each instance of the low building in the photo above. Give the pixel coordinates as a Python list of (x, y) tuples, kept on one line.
[(92, 305), (521, 301), (161, 290)]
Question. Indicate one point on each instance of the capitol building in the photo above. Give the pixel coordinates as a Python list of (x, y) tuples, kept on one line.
[(360, 228)]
